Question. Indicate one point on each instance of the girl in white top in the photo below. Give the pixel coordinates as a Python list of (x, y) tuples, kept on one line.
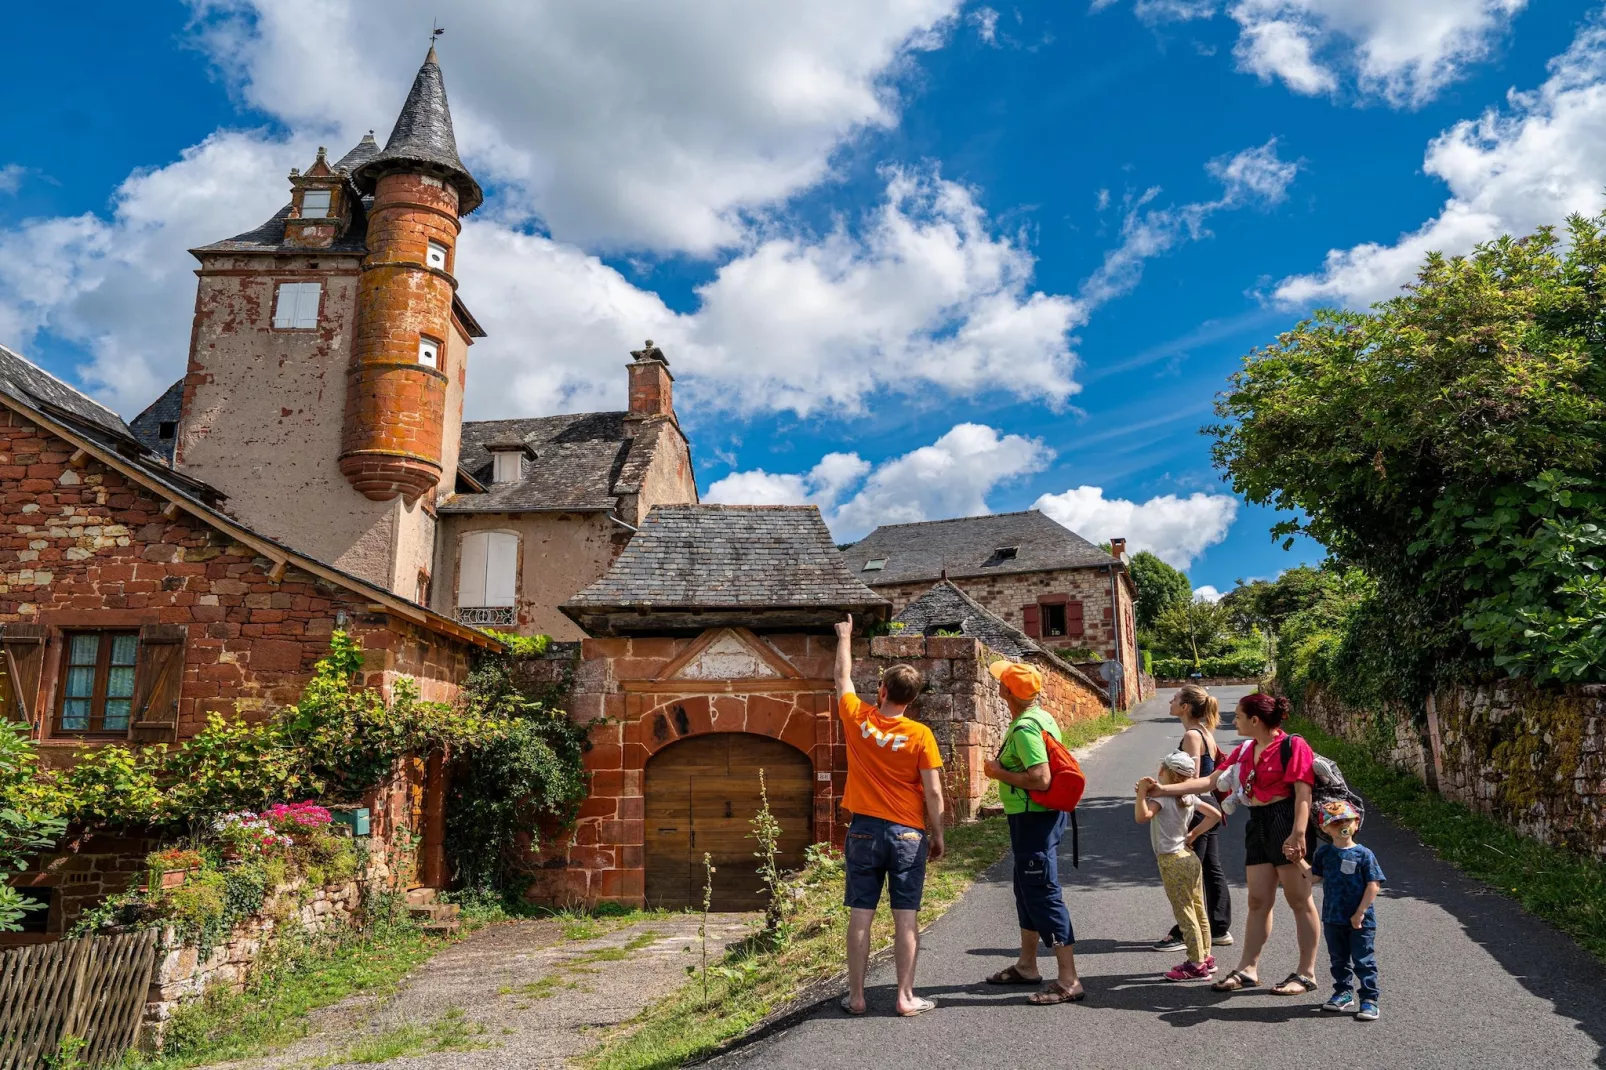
[(1180, 870)]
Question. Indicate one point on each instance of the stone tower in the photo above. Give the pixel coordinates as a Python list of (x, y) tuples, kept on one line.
[(324, 393), (397, 386)]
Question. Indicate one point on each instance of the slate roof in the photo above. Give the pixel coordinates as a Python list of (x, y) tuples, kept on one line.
[(30, 383), (969, 546), (423, 136), (147, 426), (579, 465), (725, 556), (946, 607)]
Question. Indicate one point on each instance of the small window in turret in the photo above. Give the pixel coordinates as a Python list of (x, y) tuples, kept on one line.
[(429, 353), (314, 203), (436, 256)]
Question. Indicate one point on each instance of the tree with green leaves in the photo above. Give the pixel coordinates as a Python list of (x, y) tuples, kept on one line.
[(1449, 443), (1159, 587), (1196, 629)]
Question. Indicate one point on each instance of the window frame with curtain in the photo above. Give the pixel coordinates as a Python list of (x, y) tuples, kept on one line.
[(111, 677)]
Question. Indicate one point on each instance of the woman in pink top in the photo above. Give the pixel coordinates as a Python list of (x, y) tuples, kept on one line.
[(1276, 772)]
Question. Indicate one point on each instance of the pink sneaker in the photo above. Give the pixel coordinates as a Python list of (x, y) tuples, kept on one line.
[(1189, 971)]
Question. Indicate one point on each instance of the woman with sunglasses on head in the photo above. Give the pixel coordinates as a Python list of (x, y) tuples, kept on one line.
[(1277, 836)]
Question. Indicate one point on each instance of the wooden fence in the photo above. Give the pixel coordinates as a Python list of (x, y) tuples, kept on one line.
[(93, 990)]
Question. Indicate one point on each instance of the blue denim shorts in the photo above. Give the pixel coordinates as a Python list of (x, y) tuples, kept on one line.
[(878, 850)]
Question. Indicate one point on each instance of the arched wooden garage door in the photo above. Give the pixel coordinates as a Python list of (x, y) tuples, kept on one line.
[(702, 794)]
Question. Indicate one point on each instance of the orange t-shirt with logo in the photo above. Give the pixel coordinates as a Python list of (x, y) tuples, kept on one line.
[(885, 756)]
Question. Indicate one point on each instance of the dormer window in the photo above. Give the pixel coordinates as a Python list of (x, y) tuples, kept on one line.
[(1001, 555), (507, 466), (315, 203), (875, 564), (435, 256), (429, 352)]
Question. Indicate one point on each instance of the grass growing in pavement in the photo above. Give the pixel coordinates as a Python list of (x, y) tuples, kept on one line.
[(451, 1032), (1565, 889)]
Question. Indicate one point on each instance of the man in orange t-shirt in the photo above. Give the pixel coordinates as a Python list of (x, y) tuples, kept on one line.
[(895, 796)]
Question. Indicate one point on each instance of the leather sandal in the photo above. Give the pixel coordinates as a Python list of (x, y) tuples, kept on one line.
[(1235, 981)]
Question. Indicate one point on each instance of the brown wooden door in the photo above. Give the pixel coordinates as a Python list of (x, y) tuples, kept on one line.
[(702, 794)]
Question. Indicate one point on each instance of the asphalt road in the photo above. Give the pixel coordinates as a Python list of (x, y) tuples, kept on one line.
[(1467, 978)]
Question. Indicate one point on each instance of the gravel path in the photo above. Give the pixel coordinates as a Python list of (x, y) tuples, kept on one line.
[(512, 995), (1468, 978)]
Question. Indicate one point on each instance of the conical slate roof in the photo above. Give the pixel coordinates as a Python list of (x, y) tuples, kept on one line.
[(422, 141)]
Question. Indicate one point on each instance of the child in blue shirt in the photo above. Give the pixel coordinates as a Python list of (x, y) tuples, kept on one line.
[(1350, 879)]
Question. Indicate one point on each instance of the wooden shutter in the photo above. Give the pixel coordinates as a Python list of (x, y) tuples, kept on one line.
[(501, 569), (1033, 619), (1075, 623), (471, 570), (23, 646), (158, 682)]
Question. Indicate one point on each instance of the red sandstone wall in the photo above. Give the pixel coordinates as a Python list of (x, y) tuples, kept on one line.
[(84, 548)]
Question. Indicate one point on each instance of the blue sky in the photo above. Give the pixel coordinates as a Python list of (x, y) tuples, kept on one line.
[(909, 259)]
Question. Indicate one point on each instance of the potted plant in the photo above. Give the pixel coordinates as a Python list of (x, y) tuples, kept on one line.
[(171, 868)]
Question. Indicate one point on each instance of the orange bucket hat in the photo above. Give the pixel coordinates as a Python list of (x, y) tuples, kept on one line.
[(1019, 679)]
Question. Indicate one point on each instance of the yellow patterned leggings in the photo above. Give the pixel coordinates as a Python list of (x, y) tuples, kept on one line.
[(1184, 886)]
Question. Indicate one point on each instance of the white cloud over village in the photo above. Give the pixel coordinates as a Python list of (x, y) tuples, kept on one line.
[(1403, 52), (919, 291), (956, 475), (1528, 163)]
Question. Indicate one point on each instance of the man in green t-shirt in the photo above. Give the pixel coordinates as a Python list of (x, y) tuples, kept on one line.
[(1034, 836)]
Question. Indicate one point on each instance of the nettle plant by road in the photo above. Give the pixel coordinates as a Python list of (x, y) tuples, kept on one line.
[(1449, 443)]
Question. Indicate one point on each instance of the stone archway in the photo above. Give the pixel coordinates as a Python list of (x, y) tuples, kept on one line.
[(701, 794)]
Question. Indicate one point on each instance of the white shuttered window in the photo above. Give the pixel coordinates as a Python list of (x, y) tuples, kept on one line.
[(297, 305), (489, 569)]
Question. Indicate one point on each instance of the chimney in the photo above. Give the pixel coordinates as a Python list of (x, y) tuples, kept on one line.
[(651, 392), (1117, 548)]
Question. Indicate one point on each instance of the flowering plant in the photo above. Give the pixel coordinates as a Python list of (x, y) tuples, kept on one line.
[(175, 858), (246, 833), (289, 817)]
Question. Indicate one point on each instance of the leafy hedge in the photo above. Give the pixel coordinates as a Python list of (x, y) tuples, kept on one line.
[(1238, 663)]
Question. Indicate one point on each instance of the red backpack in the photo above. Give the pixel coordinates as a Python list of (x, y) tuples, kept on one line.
[(1066, 784)]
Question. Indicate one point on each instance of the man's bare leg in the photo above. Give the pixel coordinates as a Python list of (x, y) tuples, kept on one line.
[(905, 949), (859, 956)]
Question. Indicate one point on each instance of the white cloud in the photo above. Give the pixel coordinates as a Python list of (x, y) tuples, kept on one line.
[(1206, 593), (619, 124), (123, 288), (11, 176), (1177, 530), (985, 19), (1401, 51), (1253, 177), (951, 477), (1513, 169)]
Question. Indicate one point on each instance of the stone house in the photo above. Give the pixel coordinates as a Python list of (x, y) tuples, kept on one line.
[(711, 660), (132, 608), (324, 398), (1031, 572)]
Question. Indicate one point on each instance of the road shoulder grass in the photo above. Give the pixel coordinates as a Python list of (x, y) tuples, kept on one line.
[(1563, 888)]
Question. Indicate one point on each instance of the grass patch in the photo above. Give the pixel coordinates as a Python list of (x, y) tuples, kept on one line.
[(451, 1032), (1565, 889), (1082, 733), (751, 981), (298, 977)]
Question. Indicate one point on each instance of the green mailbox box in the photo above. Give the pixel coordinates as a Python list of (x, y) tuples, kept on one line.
[(356, 819)]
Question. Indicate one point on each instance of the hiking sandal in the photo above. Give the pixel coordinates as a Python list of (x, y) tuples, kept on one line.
[(1055, 993), (1011, 975), (1235, 981), (1295, 984)]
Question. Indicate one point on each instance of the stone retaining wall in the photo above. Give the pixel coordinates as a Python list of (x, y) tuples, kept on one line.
[(1535, 758), (186, 973)]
